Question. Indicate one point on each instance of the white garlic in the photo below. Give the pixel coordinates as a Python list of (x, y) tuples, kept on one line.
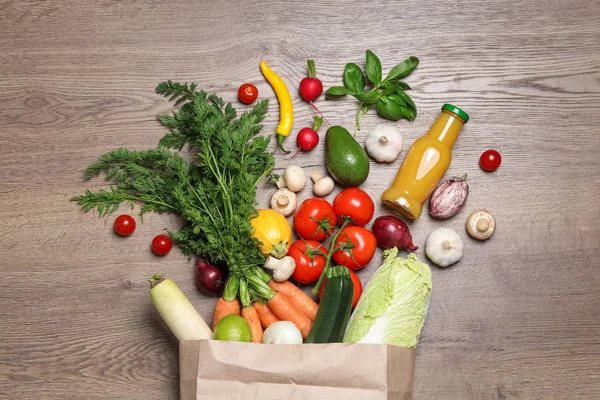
[(444, 247)]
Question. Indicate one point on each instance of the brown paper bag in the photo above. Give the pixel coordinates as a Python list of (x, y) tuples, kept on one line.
[(219, 370)]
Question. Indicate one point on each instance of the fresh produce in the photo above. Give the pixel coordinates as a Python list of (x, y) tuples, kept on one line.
[(323, 185), (449, 198), (356, 284), (346, 160), (233, 328), (315, 219), (124, 225), (285, 311), (286, 112), (266, 316), (272, 231), (295, 178), (481, 224), (282, 332), (297, 298), (384, 143), (282, 268), (334, 309), (311, 88), (394, 304), (224, 308), (359, 245), (444, 247), (355, 204), (310, 257), (210, 279), (425, 163), (161, 245), (391, 231), (284, 201), (249, 313), (490, 160), (177, 311), (308, 138), (247, 93), (387, 95)]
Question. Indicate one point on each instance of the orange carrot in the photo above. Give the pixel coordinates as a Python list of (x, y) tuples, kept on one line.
[(251, 316), (266, 316), (284, 310), (224, 308), (300, 300)]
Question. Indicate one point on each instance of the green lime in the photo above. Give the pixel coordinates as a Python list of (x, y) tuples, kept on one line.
[(233, 328)]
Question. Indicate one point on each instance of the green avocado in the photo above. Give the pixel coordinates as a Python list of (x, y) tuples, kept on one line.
[(346, 160)]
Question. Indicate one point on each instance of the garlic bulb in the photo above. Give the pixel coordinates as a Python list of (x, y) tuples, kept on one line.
[(384, 143), (444, 247)]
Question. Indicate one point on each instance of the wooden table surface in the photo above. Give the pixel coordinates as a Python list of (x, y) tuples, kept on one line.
[(517, 318)]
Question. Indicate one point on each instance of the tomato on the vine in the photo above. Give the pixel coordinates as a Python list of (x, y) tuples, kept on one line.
[(124, 225), (357, 288), (309, 258), (315, 219), (363, 248), (161, 244), (247, 93), (490, 160), (355, 204)]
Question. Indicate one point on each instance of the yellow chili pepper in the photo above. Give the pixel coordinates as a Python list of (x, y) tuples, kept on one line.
[(286, 113)]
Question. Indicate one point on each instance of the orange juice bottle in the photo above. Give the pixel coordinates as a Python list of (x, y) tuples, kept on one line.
[(425, 163)]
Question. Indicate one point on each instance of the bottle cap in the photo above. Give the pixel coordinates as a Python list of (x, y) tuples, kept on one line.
[(457, 111)]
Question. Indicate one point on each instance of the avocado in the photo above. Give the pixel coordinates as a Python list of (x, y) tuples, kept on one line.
[(346, 160)]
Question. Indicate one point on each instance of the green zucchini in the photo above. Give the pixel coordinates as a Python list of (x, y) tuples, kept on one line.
[(334, 308)]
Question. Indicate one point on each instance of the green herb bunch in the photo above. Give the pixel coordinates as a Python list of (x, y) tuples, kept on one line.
[(387, 95), (215, 194)]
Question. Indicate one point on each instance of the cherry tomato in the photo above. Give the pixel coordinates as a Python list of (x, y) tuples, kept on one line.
[(490, 160), (247, 93), (356, 204), (161, 244), (315, 219), (124, 225), (309, 262), (357, 288), (364, 242)]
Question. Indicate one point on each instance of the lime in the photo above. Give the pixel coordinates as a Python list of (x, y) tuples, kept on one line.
[(233, 328)]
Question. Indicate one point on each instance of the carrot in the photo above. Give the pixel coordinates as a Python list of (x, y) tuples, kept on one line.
[(224, 308), (300, 300), (251, 316), (284, 310), (266, 316)]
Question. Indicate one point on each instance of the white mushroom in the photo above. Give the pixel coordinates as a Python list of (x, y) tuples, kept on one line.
[(323, 185), (481, 224), (280, 182), (284, 201), (294, 177), (282, 269)]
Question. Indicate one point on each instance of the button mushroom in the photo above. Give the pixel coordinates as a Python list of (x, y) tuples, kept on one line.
[(323, 185), (481, 224), (294, 177), (284, 201), (282, 269)]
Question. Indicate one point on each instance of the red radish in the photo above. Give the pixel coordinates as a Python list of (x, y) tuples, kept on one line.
[(391, 231), (311, 88), (308, 138), (210, 278)]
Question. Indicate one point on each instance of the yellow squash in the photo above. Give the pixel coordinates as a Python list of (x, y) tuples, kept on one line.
[(286, 113), (273, 231)]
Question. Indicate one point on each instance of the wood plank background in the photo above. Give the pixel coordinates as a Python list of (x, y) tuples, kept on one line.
[(517, 318)]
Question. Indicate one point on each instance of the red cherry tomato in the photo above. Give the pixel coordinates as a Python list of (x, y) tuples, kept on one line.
[(247, 93), (356, 204), (309, 262), (357, 288), (490, 160), (364, 242), (124, 225), (161, 244), (314, 219)]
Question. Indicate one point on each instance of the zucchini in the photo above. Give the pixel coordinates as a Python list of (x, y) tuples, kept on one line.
[(334, 308)]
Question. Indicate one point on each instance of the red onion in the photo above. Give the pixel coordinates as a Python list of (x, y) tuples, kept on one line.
[(210, 278), (449, 198), (391, 232)]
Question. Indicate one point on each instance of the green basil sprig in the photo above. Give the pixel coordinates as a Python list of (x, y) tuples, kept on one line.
[(387, 95)]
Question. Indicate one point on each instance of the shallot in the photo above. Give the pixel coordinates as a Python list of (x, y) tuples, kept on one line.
[(449, 198), (210, 278), (391, 232)]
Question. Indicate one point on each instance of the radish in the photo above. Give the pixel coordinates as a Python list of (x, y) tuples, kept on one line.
[(311, 88), (308, 138)]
